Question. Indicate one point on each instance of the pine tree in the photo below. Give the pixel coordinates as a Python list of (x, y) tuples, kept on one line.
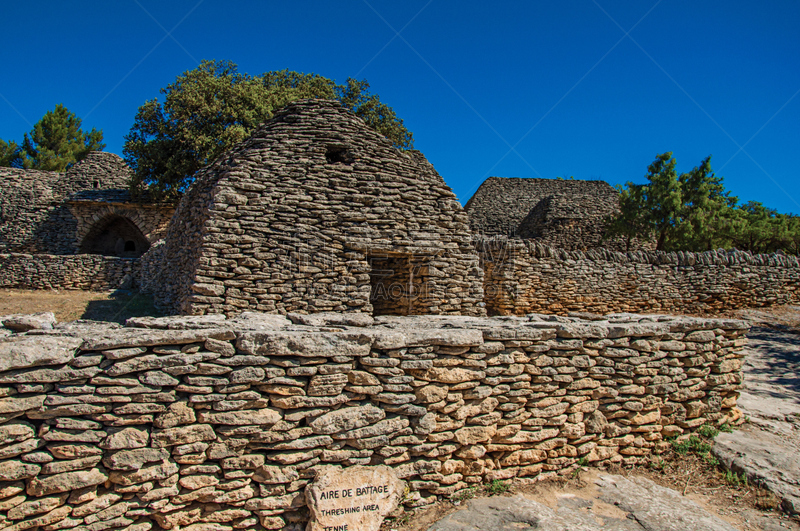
[(10, 154), (57, 141)]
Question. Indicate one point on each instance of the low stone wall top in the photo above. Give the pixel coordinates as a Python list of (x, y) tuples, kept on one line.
[(205, 423), (84, 271), (683, 258)]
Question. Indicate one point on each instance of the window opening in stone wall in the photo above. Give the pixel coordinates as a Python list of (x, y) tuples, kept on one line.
[(96, 184), (340, 155), (398, 284), (115, 236)]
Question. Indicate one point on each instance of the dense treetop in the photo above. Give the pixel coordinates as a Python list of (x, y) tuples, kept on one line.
[(207, 110), (693, 212), (55, 143)]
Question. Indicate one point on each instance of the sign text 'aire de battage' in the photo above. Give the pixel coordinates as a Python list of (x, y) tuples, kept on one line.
[(352, 499)]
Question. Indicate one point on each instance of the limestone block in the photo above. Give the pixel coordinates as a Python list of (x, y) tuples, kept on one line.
[(65, 482), (25, 352), (245, 417), (134, 459), (183, 435), (358, 498)]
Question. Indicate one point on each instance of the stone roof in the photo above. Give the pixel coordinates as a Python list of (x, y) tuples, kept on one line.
[(574, 206), (501, 203), (296, 217)]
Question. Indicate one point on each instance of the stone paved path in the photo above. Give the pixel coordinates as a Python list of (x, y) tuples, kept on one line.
[(767, 449), (621, 504)]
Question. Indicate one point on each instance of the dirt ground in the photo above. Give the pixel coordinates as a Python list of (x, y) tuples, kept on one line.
[(746, 507), (71, 305)]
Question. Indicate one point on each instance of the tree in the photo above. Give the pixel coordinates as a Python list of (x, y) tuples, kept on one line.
[(55, 143), (681, 212), (706, 209), (209, 109), (632, 221), (759, 229), (10, 154)]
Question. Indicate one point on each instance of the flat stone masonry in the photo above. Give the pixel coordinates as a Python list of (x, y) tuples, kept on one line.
[(85, 272), (33, 215), (207, 423), (521, 277)]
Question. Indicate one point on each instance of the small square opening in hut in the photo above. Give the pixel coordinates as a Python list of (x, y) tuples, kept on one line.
[(397, 284)]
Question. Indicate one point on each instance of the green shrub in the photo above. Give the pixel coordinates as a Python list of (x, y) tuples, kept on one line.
[(497, 487), (708, 431), (693, 444)]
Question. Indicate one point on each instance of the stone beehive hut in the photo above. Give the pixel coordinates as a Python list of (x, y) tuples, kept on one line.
[(318, 212), (567, 214)]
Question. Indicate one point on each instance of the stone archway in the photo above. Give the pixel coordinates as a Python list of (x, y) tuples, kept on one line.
[(115, 235)]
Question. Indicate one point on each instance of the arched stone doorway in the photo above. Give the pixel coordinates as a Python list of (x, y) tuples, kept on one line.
[(115, 236)]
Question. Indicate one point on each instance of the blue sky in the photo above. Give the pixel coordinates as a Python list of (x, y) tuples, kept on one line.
[(588, 88)]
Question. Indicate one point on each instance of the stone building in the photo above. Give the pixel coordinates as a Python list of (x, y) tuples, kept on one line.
[(317, 212), (565, 214), (86, 209)]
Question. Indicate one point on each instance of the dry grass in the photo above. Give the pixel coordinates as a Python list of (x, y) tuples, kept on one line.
[(114, 306)]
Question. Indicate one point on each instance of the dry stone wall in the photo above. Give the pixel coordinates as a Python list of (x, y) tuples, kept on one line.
[(293, 218), (524, 276), (84, 272), (199, 423), (93, 216), (33, 215)]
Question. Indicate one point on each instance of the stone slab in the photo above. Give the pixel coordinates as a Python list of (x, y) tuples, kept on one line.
[(640, 504), (354, 499)]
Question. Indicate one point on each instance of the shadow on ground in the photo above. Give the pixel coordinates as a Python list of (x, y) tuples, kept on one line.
[(120, 306), (778, 362)]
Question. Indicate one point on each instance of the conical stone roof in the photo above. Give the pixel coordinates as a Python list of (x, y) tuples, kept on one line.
[(318, 212)]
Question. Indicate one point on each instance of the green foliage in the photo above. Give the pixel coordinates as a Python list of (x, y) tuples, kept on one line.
[(693, 212), (696, 445), (583, 461), (497, 487), (708, 431), (207, 110), (735, 479), (693, 444), (55, 143), (464, 494), (10, 154), (758, 229)]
